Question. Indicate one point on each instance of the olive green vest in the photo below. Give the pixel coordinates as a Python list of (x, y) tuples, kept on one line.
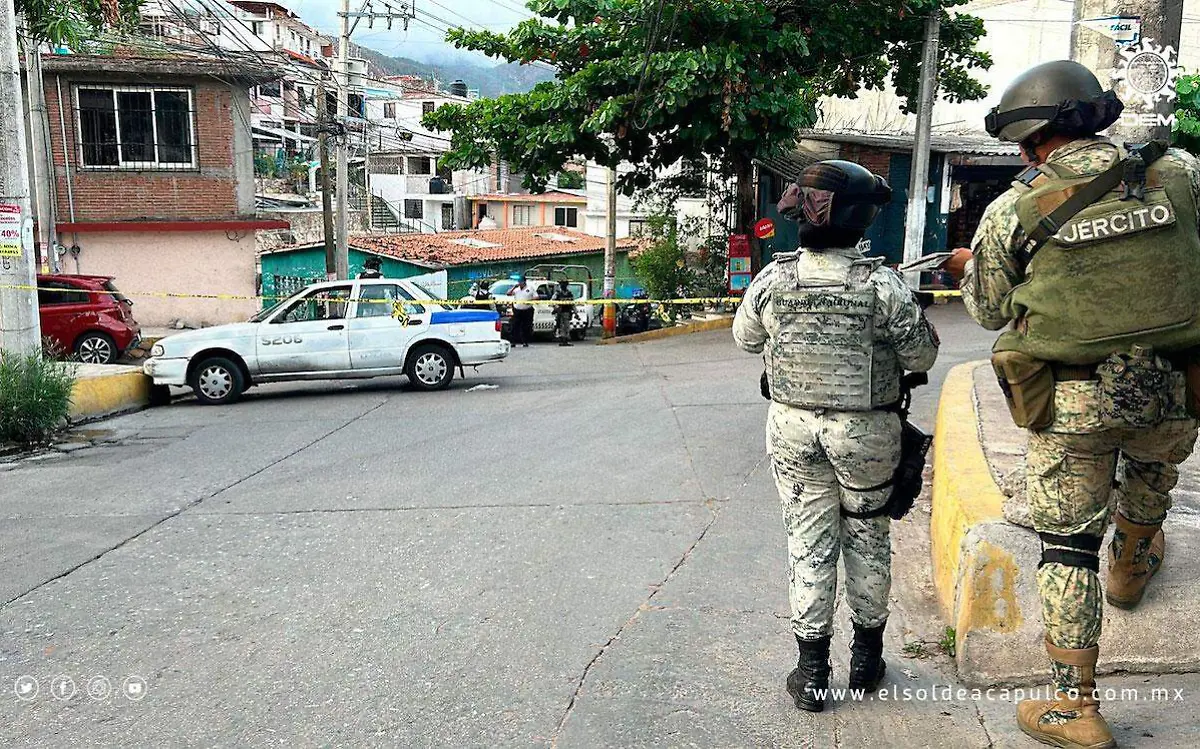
[(1119, 272)]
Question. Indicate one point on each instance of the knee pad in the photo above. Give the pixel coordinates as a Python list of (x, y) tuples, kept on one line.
[(1076, 550)]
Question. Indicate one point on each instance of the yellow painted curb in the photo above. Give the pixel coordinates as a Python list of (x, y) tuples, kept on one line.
[(653, 335), (100, 396), (964, 495)]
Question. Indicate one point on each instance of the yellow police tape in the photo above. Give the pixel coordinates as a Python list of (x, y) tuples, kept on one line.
[(464, 302)]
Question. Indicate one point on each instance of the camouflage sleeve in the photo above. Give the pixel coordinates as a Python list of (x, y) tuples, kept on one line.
[(901, 322), (994, 272), (749, 333), (1192, 165)]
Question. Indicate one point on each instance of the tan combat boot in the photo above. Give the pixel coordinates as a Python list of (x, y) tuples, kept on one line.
[(1129, 572), (1072, 721)]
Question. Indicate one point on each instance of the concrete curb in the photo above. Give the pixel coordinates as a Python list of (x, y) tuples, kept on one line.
[(720, 323), (103, 395), (984, 569)]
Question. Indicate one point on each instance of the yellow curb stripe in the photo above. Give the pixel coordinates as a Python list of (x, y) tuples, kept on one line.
[(654, 335), (964, 493), (100, 396)]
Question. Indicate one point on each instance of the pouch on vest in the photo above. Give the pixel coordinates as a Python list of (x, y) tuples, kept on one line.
[(1193, 384), (1028, 386), (1135, 390)]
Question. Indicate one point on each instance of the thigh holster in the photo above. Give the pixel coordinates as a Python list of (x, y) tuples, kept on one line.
[(1075, 550)]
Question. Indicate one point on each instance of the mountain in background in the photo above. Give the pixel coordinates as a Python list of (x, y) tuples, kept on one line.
[(490, 80)]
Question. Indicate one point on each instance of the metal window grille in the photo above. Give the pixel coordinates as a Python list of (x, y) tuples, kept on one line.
[(286, 286), (136, 127), (414, 209), (522, 215)]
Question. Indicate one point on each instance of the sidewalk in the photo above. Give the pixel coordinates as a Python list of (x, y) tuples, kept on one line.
[(984, 565)]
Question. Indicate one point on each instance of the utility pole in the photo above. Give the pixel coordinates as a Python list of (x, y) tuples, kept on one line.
[(402, 11), (1144, 82), (918, 185), (610, 255), (20, 329), (42, 160), (326, 194), (343, 150)]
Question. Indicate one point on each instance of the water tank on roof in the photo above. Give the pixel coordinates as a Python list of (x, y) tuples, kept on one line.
[(459, 88)]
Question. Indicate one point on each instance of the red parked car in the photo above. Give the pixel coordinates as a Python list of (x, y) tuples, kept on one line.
[(86, 316)]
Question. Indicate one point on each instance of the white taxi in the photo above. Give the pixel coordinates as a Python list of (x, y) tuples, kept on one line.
[(332, 330)]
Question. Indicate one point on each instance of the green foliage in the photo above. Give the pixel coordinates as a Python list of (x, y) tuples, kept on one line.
[(679, 260), (571, 180), (731, 79), (1187, 113), (72, 22), (35, 396)]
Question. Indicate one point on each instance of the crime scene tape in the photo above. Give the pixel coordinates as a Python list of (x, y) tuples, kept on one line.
[(464, 302)]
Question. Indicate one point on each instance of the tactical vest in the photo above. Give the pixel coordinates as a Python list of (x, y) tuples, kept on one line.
[(824, 353), (1119, 272)]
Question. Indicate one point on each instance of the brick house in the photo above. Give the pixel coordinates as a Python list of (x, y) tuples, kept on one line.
[(153, 179)]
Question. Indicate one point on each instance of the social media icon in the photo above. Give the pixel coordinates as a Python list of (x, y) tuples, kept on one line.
[(26, 688), (134, 688), (63, 687), (99, 688)]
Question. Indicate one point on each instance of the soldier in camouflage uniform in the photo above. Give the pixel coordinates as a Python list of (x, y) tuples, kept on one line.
[(837, 329), (1116, 280), (564, 313)]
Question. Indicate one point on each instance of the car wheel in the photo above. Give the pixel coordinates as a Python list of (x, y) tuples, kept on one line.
[(96, 348), (217, 381), (430, 367)]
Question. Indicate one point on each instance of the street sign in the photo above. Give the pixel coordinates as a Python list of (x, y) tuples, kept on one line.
[(764, 229), (1121, 29), (10, 230)]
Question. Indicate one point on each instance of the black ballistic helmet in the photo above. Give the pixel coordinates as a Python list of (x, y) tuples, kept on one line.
[(837, 196), (1062, 95)]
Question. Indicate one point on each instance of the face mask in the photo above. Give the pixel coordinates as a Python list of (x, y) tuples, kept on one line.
[(817, 206)]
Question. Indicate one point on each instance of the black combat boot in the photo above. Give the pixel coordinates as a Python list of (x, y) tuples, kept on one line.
[(866, 658), (808, 682)]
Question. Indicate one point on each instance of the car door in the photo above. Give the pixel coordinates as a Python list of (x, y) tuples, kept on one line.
[(65, 312), (386, 319), (307, 335), (543, 316)]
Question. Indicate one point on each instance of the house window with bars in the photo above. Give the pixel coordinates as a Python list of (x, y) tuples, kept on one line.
[(522, 215), (136, 127), (414, 209), (427, 107), (389, 110)]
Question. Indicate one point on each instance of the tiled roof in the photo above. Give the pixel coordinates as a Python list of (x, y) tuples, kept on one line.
[(550, 196), (482, 246)]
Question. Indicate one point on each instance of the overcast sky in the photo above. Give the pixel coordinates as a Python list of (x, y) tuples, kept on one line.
[(423, 40)]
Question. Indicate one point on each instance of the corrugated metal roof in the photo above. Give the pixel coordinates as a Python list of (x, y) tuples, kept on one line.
[(939, 142)]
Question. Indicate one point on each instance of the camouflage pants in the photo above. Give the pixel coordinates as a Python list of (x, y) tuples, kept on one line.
[(1070, 477), (819, 458), (562, 326)]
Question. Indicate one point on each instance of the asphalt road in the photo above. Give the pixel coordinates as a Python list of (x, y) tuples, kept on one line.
[(588, 555)]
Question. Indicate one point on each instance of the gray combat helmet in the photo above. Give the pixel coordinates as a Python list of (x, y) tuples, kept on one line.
[(1037, 96)]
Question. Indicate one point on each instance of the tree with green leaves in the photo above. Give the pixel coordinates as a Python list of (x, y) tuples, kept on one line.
[(1187, 113), (650, 82), (73, 22)]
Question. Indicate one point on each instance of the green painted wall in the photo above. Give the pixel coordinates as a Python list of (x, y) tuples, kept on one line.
[(461, 277), (285, 273)]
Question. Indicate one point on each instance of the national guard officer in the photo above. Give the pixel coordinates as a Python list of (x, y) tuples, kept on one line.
[(372, 268), (564, 312), (837, 330), (1093, 258)]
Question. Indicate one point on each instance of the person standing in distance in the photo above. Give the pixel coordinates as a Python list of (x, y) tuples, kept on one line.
[(837, 330), (522, 321), (564, 312), (1092, 260)]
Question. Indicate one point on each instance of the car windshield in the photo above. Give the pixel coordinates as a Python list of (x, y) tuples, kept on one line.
[(263, 315), (502, 288)]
